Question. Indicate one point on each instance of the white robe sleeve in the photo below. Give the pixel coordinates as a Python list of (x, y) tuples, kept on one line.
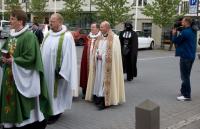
[(69, 62), (27, 81)]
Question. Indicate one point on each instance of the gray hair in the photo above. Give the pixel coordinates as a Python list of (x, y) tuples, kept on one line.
[(59, 17)]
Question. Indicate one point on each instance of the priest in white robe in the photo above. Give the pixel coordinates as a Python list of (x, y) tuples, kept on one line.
[(106, 80), (60, 66)]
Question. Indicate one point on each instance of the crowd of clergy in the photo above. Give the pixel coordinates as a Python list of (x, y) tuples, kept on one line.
[(38, 81)]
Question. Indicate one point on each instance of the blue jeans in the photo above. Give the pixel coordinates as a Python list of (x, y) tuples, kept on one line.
[(185, 69)]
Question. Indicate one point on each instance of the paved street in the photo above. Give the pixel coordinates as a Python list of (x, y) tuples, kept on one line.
[(158, 80)]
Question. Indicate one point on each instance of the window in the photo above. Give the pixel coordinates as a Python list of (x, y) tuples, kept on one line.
[(147, 27), (185, 7), (24, 1), (140, 2)]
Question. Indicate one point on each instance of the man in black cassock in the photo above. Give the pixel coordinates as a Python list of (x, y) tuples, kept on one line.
[(129, 49), (38, 32)]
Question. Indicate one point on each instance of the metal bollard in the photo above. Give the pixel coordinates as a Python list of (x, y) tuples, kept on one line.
[(147, 115)]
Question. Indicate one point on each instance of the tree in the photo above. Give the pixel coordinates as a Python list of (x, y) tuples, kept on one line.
[(114, 11), (37, 8), (163, 12), (11, 5), (72, 10)]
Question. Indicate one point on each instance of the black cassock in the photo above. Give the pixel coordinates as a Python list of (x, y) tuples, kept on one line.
[(39, 35), (129, 49)]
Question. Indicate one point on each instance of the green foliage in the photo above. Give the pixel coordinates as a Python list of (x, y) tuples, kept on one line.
[(72, 10), (114, 11), (11, 5), (163, 12), (37, 8)]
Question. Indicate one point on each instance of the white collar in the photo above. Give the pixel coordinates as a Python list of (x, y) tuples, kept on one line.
[(14, 34), (64, 29), (94, 35)]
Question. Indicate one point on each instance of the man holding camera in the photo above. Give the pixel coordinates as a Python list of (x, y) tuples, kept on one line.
[(185, 41)]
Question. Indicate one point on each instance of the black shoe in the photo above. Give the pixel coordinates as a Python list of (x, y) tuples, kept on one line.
[(97, 101), (83, 92), (129, 79), (83, 97), (53, 119), (101, 105)]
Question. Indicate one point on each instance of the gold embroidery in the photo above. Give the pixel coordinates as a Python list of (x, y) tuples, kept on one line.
[(12, 45), (7, 109), (108, 66)]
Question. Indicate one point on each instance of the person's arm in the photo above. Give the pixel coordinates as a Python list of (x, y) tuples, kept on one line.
[(27, 56), (178, 38), (40, 36)]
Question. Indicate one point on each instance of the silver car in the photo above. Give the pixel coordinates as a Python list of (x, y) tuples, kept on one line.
[(5, 32)]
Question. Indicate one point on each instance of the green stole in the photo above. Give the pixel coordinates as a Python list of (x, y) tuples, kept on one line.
[(58, 63)]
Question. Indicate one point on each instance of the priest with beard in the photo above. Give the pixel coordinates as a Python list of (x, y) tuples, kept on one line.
[(129, 49)]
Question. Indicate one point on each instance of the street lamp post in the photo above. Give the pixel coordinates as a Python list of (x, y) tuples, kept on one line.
[(3, 9), (90, 12), (197, 8), (54, 6), (136, 15), (26, 5)]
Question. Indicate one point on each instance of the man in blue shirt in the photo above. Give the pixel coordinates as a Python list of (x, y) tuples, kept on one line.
[(185, 42)]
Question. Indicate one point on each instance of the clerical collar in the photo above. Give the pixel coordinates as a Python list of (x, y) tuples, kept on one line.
[(58, 30), (64, 29), (14, 34), (94, 35), (105, 35)]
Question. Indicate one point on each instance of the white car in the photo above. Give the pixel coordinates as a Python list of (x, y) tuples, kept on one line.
[(144, 41), (5, 31), (4, 28)]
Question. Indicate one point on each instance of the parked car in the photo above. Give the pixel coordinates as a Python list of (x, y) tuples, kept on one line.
[(30, 25), (5, 31), (145, 41), (116, 31), (4, 25), (80, 35)]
